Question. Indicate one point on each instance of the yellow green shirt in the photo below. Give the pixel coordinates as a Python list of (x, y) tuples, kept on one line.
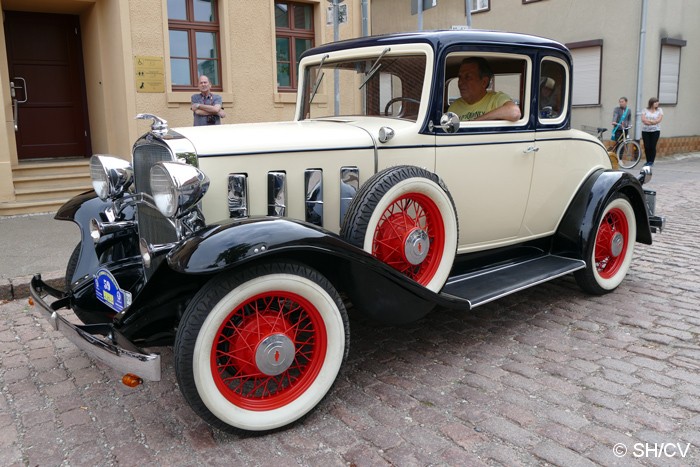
[(492, 100)]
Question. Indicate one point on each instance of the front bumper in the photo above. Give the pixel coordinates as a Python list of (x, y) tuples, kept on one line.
[(100, 341)]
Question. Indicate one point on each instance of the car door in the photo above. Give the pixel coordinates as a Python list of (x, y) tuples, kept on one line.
[(487, 165), (564, 159)]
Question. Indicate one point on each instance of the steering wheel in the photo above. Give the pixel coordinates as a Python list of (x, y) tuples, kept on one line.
[(399, 99)]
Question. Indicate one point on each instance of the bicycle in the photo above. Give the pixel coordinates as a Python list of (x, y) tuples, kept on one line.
[(628, 151)]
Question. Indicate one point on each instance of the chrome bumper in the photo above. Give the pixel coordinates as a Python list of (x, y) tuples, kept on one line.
[(99, 341)]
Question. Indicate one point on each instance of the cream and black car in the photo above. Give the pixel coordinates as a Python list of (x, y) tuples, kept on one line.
[(241, 245)]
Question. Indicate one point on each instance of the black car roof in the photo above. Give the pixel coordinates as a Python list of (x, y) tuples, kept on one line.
[(441, 39)]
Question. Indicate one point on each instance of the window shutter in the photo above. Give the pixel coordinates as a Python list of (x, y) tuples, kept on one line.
[(669, 72), (586, 89)]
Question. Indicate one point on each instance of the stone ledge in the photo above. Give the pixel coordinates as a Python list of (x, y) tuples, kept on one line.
[(18, 287)]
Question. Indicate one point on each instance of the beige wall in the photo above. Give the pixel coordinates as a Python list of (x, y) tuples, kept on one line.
[(248, 53), (8, 151), (567, 21), (113, 32)]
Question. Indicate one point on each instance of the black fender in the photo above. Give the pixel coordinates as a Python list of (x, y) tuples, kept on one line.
[(578, 226), (376, 289), (81, 209)]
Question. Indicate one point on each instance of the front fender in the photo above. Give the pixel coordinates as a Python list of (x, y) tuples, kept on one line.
[(579, 224), (373, 287), (81, 209), (222, 246)]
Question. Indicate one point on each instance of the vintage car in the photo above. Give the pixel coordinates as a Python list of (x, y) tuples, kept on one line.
[(241, 245)]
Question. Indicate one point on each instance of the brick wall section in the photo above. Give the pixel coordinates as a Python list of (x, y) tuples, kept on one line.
[(677, 145), (670, 146)]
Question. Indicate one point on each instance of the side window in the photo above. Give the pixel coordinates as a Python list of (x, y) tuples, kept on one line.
[(552, 89), (489, 88)]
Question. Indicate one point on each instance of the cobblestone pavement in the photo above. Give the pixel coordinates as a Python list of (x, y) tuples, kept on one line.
[(545, 376)]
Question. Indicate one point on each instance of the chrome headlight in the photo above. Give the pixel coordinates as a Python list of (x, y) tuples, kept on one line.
[(177, 187), (111, 176)]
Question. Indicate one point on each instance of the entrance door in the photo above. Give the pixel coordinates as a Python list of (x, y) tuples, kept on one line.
[(46, 69)]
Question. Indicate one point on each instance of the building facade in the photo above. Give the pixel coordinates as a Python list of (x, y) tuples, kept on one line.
[(74, 73), (633, 48)]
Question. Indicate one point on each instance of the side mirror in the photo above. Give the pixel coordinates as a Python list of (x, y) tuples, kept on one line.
[(448, 122)]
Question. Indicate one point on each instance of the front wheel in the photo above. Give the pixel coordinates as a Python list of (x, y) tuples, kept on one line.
[(628, 154), (257, 350), (609, 253)]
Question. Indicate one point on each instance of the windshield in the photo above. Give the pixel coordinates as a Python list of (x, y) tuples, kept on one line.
[(382, 85)]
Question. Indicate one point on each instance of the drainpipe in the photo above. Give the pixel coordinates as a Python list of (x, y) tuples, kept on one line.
[(640, 71), (365, 18), (468, 9), (336, 74), (420, 14)]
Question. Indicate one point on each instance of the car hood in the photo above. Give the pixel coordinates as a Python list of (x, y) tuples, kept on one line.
[(262, 138)]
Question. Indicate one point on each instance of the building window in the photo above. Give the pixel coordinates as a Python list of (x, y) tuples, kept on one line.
[(478, 6), (193, 27), (294, 33), (587, 57), (670, 70)]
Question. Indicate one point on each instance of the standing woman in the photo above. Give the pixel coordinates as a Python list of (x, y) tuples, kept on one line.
[(651, 118)]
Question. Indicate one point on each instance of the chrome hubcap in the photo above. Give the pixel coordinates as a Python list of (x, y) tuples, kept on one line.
[(274, 354), (617, 244), (416, 246)]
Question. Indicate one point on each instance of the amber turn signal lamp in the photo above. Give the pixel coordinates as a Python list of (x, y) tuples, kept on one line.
[(131, 380)]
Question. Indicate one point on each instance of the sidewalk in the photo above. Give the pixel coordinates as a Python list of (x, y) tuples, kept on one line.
[(38, 243), (33, 244)]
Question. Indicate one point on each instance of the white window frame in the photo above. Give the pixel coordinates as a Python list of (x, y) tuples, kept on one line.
[(588, 68), (478, 6), (670, 70)]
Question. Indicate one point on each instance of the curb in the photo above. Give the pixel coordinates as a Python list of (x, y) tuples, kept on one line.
[(18, 287)]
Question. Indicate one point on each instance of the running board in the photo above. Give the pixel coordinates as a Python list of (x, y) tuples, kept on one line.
[(484, 286)]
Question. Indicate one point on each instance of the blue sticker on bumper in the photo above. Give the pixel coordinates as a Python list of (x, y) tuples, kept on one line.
[(108, 292)]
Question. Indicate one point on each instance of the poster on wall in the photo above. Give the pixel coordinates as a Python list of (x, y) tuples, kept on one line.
[(149, 74)]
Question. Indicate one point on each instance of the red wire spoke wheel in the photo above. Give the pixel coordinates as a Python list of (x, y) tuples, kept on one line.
[(610, 249), (258, 349), (268, 351), (406, 218), (611, 243), (410, 237)]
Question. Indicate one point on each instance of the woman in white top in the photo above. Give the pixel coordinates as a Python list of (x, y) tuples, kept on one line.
[(651, 118)]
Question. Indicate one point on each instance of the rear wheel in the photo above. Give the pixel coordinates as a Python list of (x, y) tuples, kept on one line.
[(628, 154), (609, 253), (258, 350)]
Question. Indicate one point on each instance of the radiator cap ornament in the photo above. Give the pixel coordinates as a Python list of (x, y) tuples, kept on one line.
[(159, 127)]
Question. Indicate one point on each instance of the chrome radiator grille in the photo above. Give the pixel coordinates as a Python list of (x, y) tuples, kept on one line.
[(153, 227), (145, 156)]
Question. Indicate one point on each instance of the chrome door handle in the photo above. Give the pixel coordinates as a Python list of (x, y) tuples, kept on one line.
[(15, 113), (26, 92), (15, 101), (531, 149)]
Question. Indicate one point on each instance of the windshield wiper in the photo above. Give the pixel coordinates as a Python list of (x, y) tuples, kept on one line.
[(375, 68), (314, 88)]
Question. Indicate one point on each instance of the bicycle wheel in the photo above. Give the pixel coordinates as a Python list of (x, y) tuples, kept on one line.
[(628, 154)]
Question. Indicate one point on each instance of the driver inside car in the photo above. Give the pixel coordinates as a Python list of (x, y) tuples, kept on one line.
[(476, 102)]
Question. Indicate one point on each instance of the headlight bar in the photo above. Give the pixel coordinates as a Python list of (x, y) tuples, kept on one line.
[(111, 176), (177, 187)]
